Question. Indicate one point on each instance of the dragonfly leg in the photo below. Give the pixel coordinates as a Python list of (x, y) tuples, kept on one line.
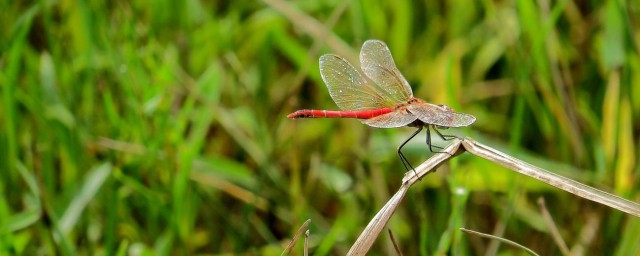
[(429, 142), (403, 159), (444, 137)]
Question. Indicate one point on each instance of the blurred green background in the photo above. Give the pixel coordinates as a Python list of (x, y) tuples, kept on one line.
[(158, 127)]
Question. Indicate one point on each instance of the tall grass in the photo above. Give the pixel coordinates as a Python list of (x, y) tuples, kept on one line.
[(159, 127)]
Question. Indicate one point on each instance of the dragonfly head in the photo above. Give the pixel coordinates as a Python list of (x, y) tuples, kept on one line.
[(445, 107)]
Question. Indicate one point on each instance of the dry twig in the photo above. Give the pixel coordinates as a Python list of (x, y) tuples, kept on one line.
[(297, 236), (380, 220)]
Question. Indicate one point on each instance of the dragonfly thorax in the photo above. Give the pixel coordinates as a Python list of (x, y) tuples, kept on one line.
[(403, 106), (419, 123)]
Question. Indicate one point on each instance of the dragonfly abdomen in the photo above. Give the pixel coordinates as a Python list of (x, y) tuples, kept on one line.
[(360, 114)]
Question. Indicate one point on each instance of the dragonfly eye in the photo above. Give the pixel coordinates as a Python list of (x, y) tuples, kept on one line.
[(444, 106)]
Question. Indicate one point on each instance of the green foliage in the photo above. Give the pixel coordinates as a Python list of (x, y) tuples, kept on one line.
[(158, 128)]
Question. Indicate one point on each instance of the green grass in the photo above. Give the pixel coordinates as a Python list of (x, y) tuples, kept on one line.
[(159, 128)]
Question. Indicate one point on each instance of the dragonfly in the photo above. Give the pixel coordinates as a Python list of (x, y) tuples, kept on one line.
[(381, 99)]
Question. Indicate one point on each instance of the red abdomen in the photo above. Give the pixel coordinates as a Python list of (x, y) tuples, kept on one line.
[(361, 114)]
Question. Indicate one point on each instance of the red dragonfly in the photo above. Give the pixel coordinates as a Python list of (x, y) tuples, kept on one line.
[(384, 100)]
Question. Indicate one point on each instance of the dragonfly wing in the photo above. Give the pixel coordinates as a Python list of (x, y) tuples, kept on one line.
[(391, 120), (347, 87), (440, 115), (377, 63)]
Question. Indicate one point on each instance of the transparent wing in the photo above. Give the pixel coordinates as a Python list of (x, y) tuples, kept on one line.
[(391, 120), (440, 115), (347, 87), (377, 63)]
